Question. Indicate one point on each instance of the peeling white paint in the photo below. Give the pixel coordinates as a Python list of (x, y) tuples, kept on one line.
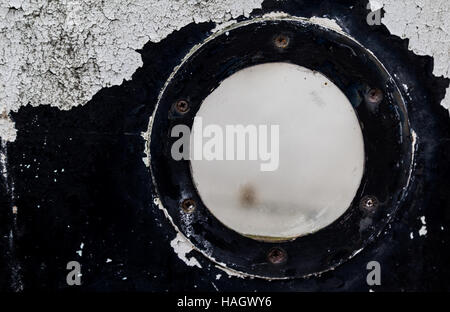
[(146, 135), (80, 252), (423, 230), (326, 22), (182, 246), (427, 26), (231, 272), (222, 26), (321, 21), (375, 5), (61, 53), (4, 161), (7, 130)]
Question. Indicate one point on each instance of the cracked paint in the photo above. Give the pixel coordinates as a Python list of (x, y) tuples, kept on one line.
[(427, 26), (61, 53)]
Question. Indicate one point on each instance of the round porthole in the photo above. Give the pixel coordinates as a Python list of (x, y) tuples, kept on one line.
[(345, 148), (308, 152)]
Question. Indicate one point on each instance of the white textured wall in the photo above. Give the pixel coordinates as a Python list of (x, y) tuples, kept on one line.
[(426, 23), (62, 52)]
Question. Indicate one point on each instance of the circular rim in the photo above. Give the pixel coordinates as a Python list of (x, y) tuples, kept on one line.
[(385, 126)]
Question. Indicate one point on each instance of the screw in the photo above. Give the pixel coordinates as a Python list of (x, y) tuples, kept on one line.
[(182, 106), (374, 96), (369, 203), (277, 255), (281, 41), (188, 205)]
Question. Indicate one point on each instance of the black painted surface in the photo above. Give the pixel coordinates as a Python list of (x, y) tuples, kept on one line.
[(102, 198)]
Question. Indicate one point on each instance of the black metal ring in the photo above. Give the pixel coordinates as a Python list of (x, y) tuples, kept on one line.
[(388, 142)]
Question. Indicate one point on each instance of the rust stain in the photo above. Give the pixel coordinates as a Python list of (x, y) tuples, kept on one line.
[(247, 195)]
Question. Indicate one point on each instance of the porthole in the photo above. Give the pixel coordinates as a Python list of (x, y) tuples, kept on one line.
[(360, 124)]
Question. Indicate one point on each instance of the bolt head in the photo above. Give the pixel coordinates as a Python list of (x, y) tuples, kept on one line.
[(188, 205), (374, 96), (368, 203), (182, 106), (277, 255), (281, 41)]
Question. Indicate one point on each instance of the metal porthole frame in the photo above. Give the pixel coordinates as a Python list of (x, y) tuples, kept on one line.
[(377, 100)]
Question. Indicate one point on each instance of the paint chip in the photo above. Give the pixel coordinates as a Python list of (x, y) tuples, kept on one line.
[(182, 246)]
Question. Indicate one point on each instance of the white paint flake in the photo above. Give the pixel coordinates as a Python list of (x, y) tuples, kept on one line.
[(182, 246), (326, 22), (423, 230), (146, 136), (80, 252), (7, 130), (375, 5), (422, 219), (231, 272)]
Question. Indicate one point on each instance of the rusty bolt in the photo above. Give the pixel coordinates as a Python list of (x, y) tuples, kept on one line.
[(368, 203), (374, 96), (277, 255), (182, 106), (188, 205), (281, 41)]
